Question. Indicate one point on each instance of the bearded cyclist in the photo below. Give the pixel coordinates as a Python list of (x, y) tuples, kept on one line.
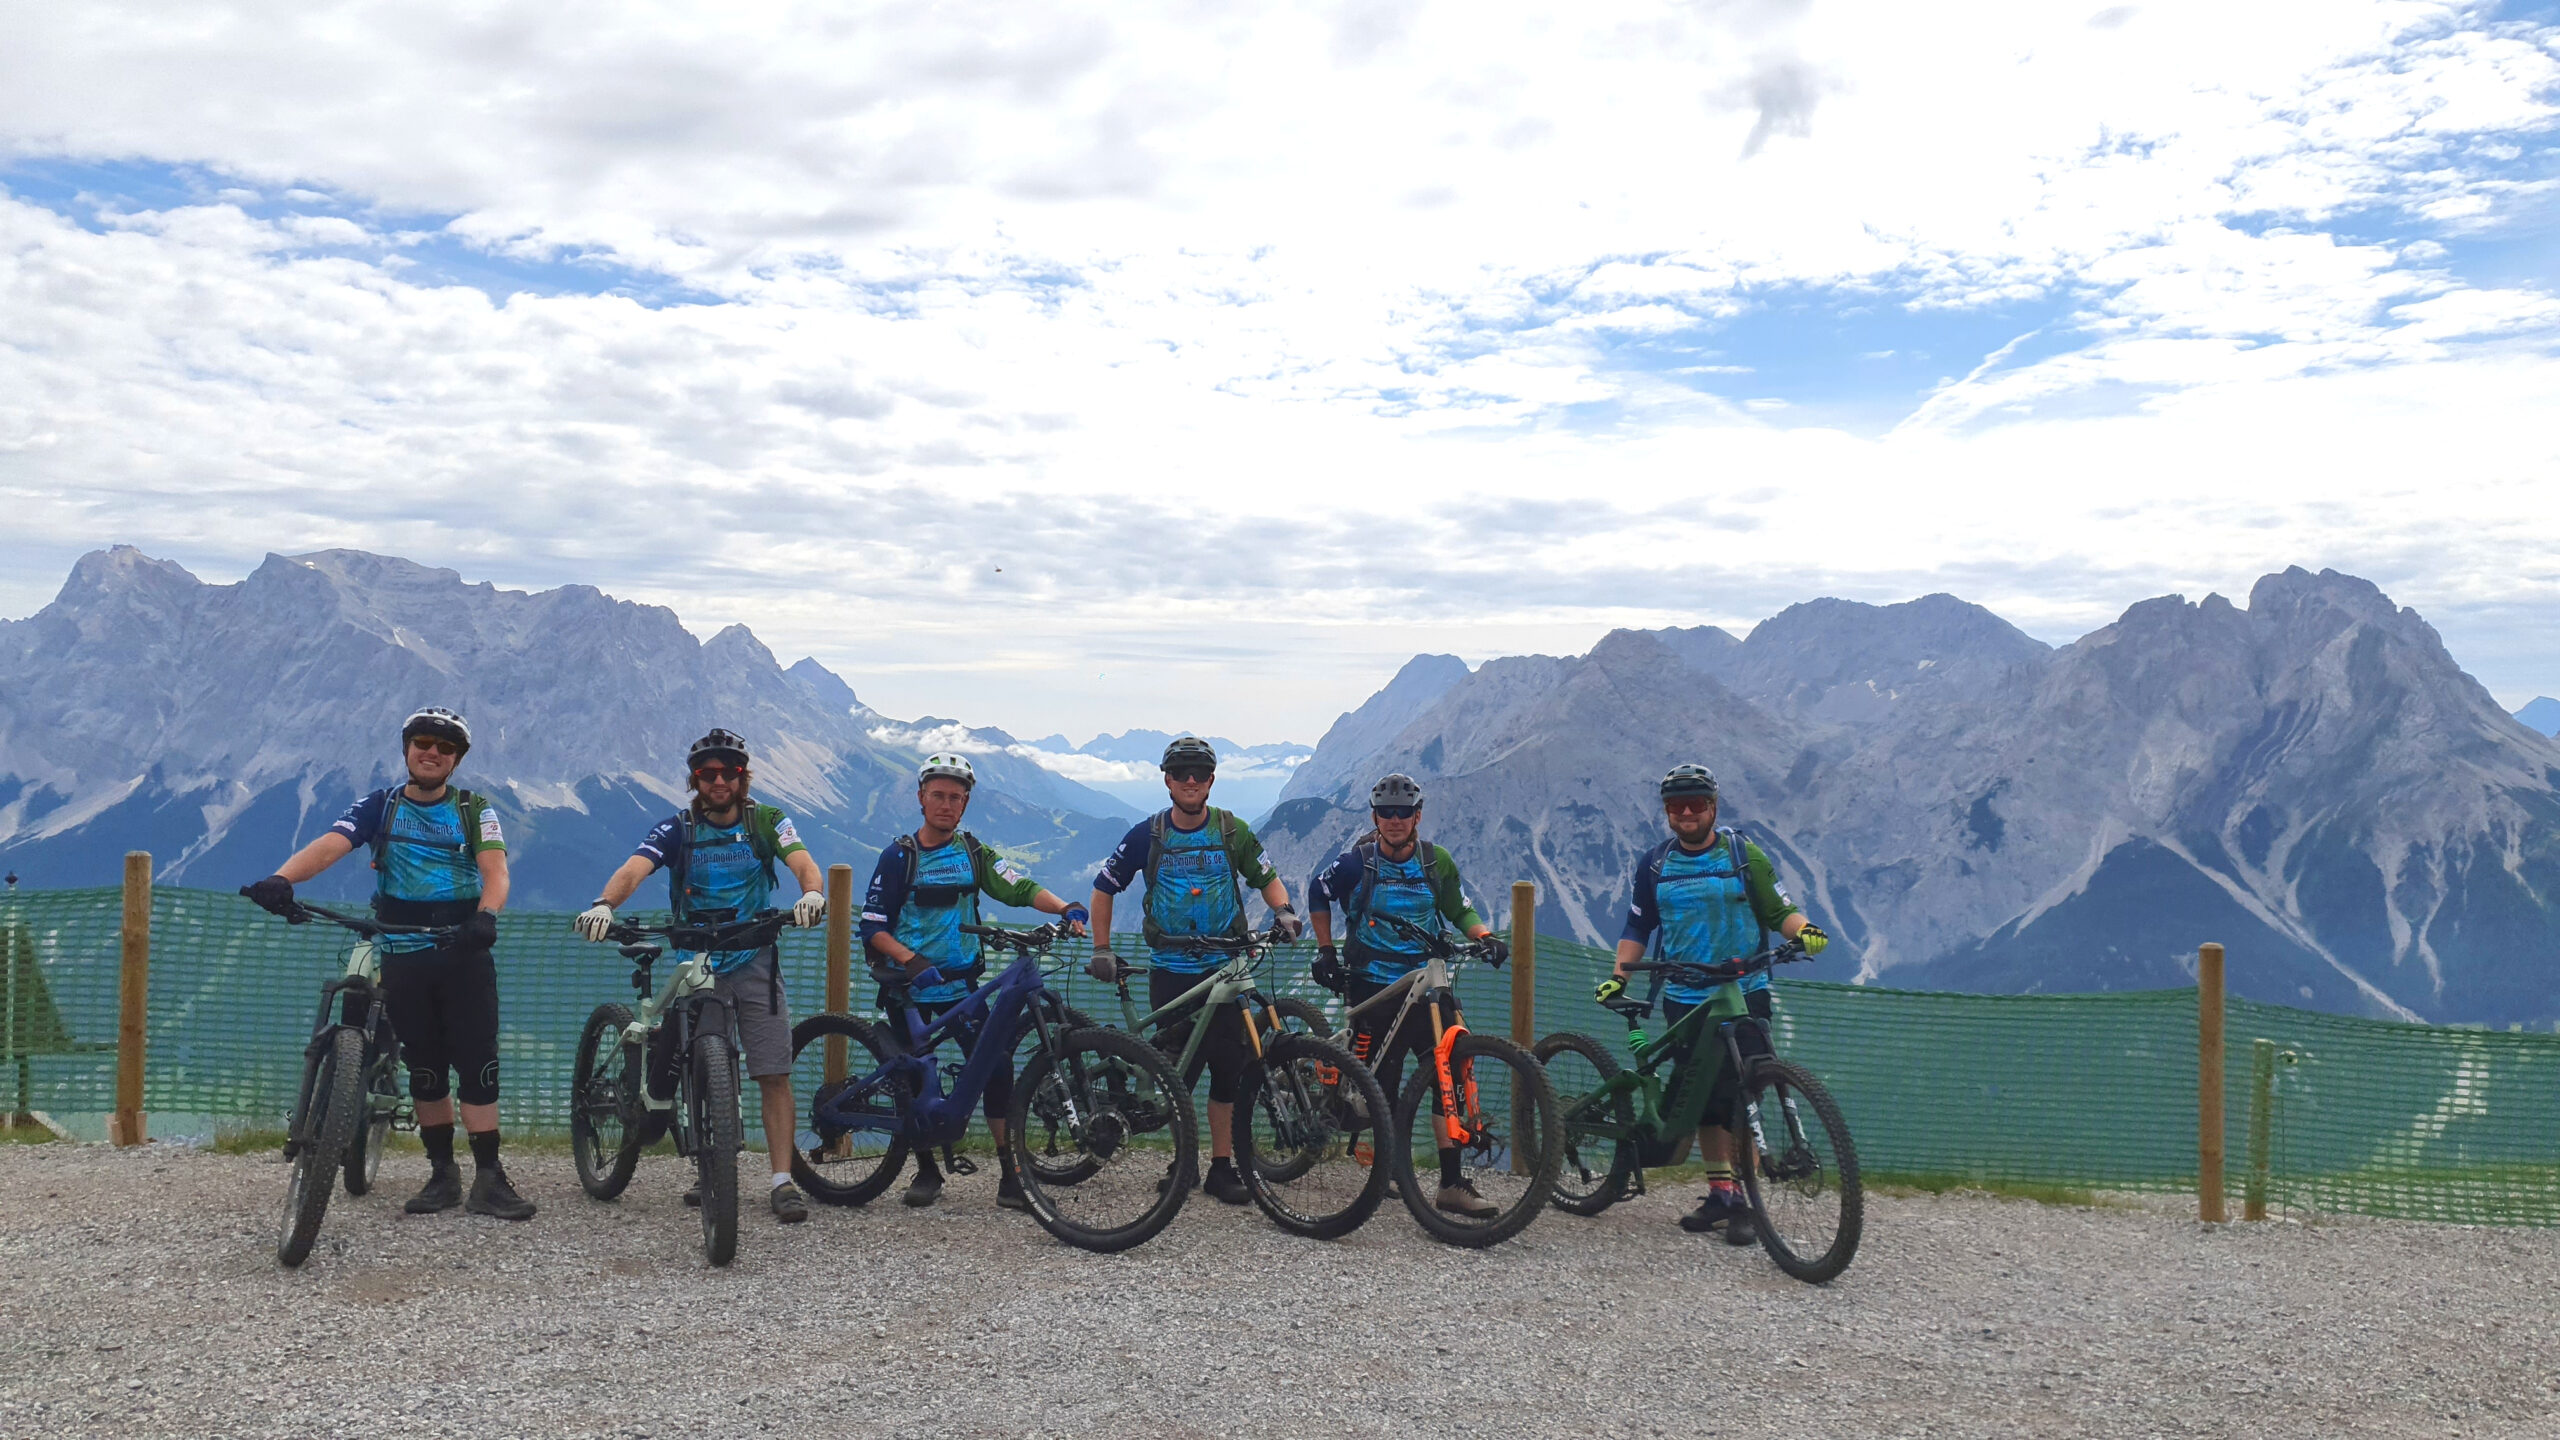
[(1391, 871), (1706, 896), (718, 853), (1194, 856), (923, 891), (439, 859)]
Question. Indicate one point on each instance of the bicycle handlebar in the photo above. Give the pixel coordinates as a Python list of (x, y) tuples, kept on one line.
[(1234, 945), (1435, 943), (752, 933), (1723, 973), (1021, 942), (304, 912)]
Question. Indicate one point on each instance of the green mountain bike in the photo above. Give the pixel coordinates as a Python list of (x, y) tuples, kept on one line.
[(1802, 1171), (1309, 1111)]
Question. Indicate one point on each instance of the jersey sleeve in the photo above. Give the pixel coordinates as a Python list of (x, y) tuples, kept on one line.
[(887, 895), (1769, 899), (786, 837), (490, 835), (1130, 857), (1244, 852), (362, 820), (660, 843), (1336, 883), (1449, 893), (1643, 913), (1004, 880)]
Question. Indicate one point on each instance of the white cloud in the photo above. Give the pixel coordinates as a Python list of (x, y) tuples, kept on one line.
[(1147, 308)]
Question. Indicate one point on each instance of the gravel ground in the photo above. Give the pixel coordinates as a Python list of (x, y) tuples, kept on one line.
[(143, 1299)]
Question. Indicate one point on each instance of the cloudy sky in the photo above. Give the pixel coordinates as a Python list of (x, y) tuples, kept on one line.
[(1031, 363)]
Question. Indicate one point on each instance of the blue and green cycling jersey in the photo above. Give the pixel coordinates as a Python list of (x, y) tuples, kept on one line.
[(723, 872), (1697, 908), (1421, 889), (1192, 888), (431, 855), (926, 915)]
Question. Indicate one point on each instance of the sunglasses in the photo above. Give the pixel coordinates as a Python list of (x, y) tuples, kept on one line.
[(718, 772), (434, 746), (1192, 777), (1688, 805), (1395, 812)]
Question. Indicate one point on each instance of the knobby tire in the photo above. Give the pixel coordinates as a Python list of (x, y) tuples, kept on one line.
[(1545, 1141), (1288, 1084), (1589, 1170), (604, 1092), (716, 1136), (1775, 1199), (850, 1178), (329, 1125), (1158, 1106), (381, 1097)]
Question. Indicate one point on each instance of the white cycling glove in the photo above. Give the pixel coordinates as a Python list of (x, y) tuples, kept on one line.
[(594, 921), (809, 909)]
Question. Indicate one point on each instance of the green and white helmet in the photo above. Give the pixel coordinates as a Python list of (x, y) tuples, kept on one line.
[(947, 766)]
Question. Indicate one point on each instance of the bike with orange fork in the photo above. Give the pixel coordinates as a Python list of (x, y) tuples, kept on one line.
[(1486, 1097)]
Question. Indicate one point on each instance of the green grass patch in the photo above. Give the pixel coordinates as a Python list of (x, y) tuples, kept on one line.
[(28, 1133), (1909, 1183)]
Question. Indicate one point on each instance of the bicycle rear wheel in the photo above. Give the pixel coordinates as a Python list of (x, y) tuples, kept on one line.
[(1123, 1110), (603, 1083), (1306, 1107), (336, 1093), (1506, 1133), (1058, 1160), (1803, 1179), (713, 1092), (1587, 1172), (1302, 1017), (834, 1164), (373, 1132)]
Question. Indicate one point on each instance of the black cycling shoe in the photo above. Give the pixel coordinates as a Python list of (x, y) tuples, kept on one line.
[(1741, 1231), (492, 1195), (442, 1191), (924, 1189), (693, 1196), (1009, 1194), (1167, 1182), (1225, 1184), (1717, 1208)]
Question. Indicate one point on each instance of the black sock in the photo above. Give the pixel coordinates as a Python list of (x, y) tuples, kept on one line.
[(1220, 1162), (925, 1165), (484, 1149), (439, 1142), (1449, 1168)]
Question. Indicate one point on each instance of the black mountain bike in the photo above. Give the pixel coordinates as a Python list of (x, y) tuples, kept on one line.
[(349, 1100), (615, 1111)]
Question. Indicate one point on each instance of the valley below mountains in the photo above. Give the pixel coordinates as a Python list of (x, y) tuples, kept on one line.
[(2312, 781)]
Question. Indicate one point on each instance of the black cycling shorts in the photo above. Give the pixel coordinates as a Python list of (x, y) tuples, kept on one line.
[(443, 1004), (1751, 1040), (1413, 1037), (1222, 1050)]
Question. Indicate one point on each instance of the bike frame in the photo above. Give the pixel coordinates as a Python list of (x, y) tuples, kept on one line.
[(1232, 981), (934, 1117), (357, 990), (1687, 1036), (1432, 981)]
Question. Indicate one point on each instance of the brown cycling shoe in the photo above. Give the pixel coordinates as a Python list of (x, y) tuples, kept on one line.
[(1462, 1199), (788, 1207)]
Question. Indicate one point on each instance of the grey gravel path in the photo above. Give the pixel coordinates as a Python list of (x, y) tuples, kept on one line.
[(141, 1299)]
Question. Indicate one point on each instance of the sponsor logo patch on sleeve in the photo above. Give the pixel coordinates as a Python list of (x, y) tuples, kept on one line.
[(490, 834), (1010, 871), (786, 835)]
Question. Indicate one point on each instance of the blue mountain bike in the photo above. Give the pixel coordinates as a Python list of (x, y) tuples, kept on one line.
[(1099, 1119)]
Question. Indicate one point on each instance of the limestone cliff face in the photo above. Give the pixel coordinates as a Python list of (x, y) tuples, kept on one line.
[(2311, 780)]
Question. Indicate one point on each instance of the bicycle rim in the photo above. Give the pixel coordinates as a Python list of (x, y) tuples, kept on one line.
[(381, 1097), (839, 1166), (337, 1090), (1594, 1129), (1311, 1108), (1122, 1112), (1803, 1180), (602, 1083), (1502, 1124)]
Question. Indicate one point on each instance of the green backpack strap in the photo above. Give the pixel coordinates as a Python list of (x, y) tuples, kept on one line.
[(466, 805), (1742, 873)]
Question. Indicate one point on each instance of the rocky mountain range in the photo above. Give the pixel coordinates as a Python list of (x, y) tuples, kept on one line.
[(221, 726), (2312, 781), (2541, 715)]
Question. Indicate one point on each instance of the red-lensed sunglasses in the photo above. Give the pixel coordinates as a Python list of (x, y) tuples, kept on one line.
[(717, 772), (1688, 805)]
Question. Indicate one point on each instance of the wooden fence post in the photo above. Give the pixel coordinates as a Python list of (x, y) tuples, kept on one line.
[(2209, 1084), (133, 996), (839, 959), (1524, 999), (2262, 1095)]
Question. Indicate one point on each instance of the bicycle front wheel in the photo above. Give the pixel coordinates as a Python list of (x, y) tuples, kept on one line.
[(1126, 1130), (714, 1096), (1803, 1179), (1500, 1123), (328, 1127), (1305, 1137), (602, 1084), (831, 1057), (1595, 1126), (381, 1100)]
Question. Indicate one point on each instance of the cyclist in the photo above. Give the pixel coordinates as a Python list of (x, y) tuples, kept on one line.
[(1706, 896), (1193, 856), (1392, 871), (439, 858), (718, 853), (924, 889)]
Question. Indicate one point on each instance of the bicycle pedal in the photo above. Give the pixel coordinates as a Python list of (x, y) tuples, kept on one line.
[(404, 1120)]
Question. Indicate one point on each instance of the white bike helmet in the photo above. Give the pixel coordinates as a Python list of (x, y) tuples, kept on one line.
[(949, 767)]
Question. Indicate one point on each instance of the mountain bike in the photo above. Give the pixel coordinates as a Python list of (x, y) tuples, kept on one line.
[(1488, 1098), (1801, 1174), (623, 1097), (1308, 1108), (1095, 1112), (349, 1100)]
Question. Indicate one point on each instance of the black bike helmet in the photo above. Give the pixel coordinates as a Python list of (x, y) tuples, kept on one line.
[(437, 721), (1190, 753), (717, 745), (1689, 780), (1397, 789)]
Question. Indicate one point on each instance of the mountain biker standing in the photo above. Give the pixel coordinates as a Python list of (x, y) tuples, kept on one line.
[(1392, 871), (439, 859), (718, 853), (923, 891), (1708, 896), (1193, 856)]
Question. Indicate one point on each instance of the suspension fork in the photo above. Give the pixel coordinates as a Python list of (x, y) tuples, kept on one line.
[(1458, 1098)]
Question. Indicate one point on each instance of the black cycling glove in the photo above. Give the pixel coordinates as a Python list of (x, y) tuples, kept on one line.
[(1328, 971), (481, 930), (273, 895), (1493, 950)]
